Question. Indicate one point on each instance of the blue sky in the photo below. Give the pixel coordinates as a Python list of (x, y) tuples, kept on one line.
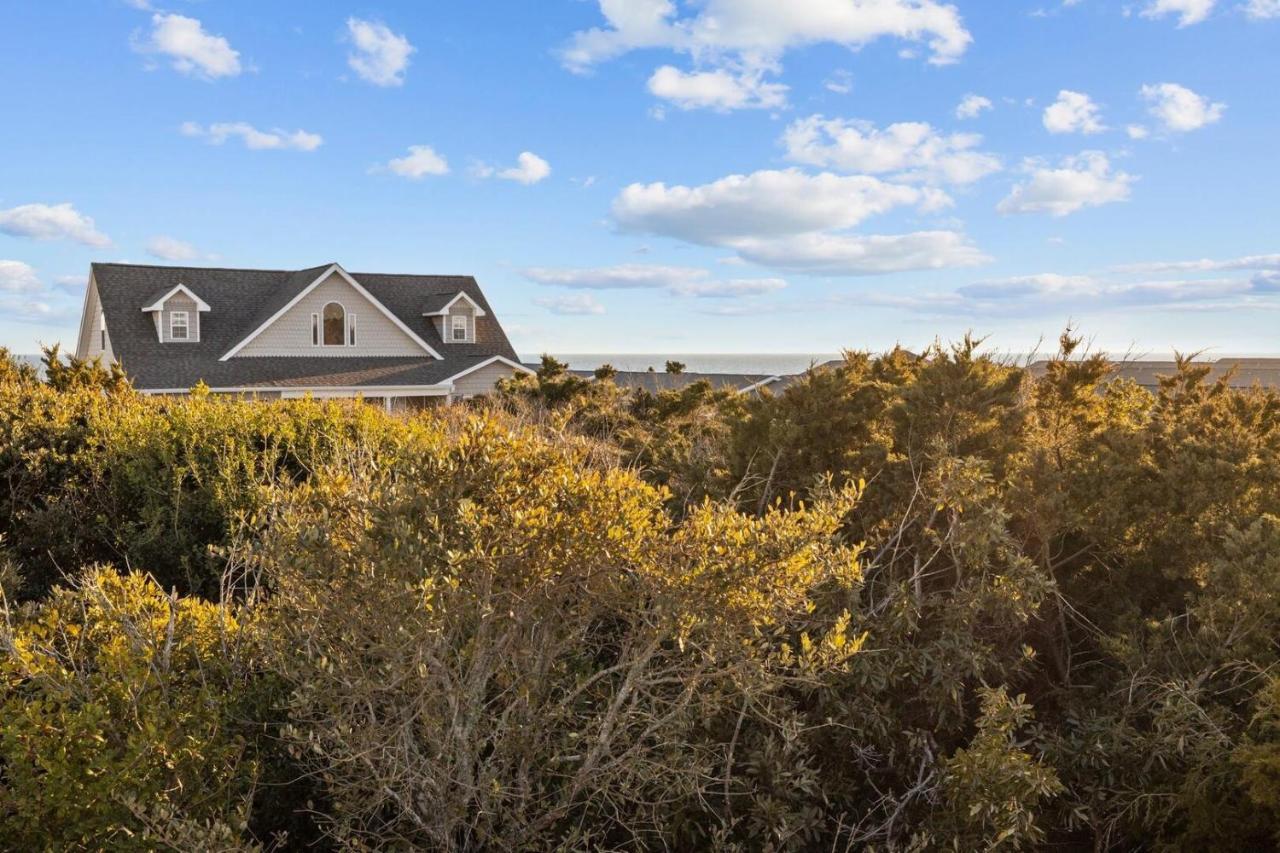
[(650, 175)]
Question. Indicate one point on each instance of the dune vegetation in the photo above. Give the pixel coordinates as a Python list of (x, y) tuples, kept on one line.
[(913, 602)]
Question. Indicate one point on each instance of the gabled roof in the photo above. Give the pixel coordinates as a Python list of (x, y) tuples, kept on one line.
[(157, 302), (240, 300), (325, 273), (440, 304)]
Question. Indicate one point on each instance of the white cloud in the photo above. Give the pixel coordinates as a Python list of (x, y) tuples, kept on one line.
[(422, 160), (1055, 293), (1262, 10), (170, 249), (766, 203), (679, 281), (381, 56), (254, 139), (720, 90), (841, 81), (1137, 131), (908, 150), (52, 222), (763, 30), (972, 106), (1270, 263), (191, 50), (529, 169), (18, 277), (1073, 112), (792, 220), (1188, 11), (1085, 180), (858, 255), (572, 304), (1179, 109)]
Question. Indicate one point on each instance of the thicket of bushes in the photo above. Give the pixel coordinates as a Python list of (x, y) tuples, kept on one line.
[(914, 602)]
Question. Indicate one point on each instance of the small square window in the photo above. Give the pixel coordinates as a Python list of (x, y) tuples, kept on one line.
[(459, 328), (179, 326)]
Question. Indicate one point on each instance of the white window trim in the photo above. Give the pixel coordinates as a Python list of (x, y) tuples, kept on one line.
[(315, 330), (346, 315), (454, 327), (186, 323), (351, 329)]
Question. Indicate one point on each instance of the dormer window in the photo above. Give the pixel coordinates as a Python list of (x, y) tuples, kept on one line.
[(179, 326), (459, 334), (333, 327)]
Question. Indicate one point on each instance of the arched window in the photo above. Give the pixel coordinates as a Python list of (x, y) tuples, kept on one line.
[(335, 324)]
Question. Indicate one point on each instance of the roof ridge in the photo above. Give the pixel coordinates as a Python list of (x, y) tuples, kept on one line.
[(213, 269), (416, 275)]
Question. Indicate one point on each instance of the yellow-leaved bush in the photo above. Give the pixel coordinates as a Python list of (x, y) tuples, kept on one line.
[(119, 726), (492, 645)]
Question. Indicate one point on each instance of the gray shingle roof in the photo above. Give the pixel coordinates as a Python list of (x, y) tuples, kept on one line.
[(241, 300)]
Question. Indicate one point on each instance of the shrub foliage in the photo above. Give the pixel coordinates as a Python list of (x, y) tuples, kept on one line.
[(911, 602)]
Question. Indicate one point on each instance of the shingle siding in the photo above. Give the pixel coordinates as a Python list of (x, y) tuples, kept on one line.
[(482, 381), (290, 335), (180, 302)]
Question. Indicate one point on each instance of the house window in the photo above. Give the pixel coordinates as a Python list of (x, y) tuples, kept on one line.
[(102, 331), (315, 330), (459, 328), (351, 331), (179, 326), (335, 324)]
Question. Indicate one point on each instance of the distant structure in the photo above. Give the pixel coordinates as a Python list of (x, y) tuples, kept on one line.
[(1244, 372)]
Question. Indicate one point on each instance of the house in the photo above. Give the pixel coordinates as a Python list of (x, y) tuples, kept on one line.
[(406, 341), (1239, 373)]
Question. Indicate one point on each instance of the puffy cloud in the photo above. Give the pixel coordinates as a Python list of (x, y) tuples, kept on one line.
[(52, 222), (571, 304), (422, 160), (1137, 131), (766, 203), (909, 150), (679, 281), (972, 106), (1073, 112), (734, 43), (18, 277), (1179, 109), (720, 90), (1188, 11), (191, 50), (764, 29), (380, 56), (1262, 10), (258, 140), (1085, 180), (792, 220), (170, 249), (529, 169)]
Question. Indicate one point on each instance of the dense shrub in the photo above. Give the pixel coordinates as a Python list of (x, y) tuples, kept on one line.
[(913, 602)]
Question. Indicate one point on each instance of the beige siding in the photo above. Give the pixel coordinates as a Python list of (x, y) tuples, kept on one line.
[(376, 335), (481, 381), (180, 302), (90, 344)]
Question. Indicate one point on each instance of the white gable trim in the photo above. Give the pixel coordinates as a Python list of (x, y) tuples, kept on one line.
[(312, 286), (497, 359), (445, 310), (82, 342), (158, 305), (758, 385)]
